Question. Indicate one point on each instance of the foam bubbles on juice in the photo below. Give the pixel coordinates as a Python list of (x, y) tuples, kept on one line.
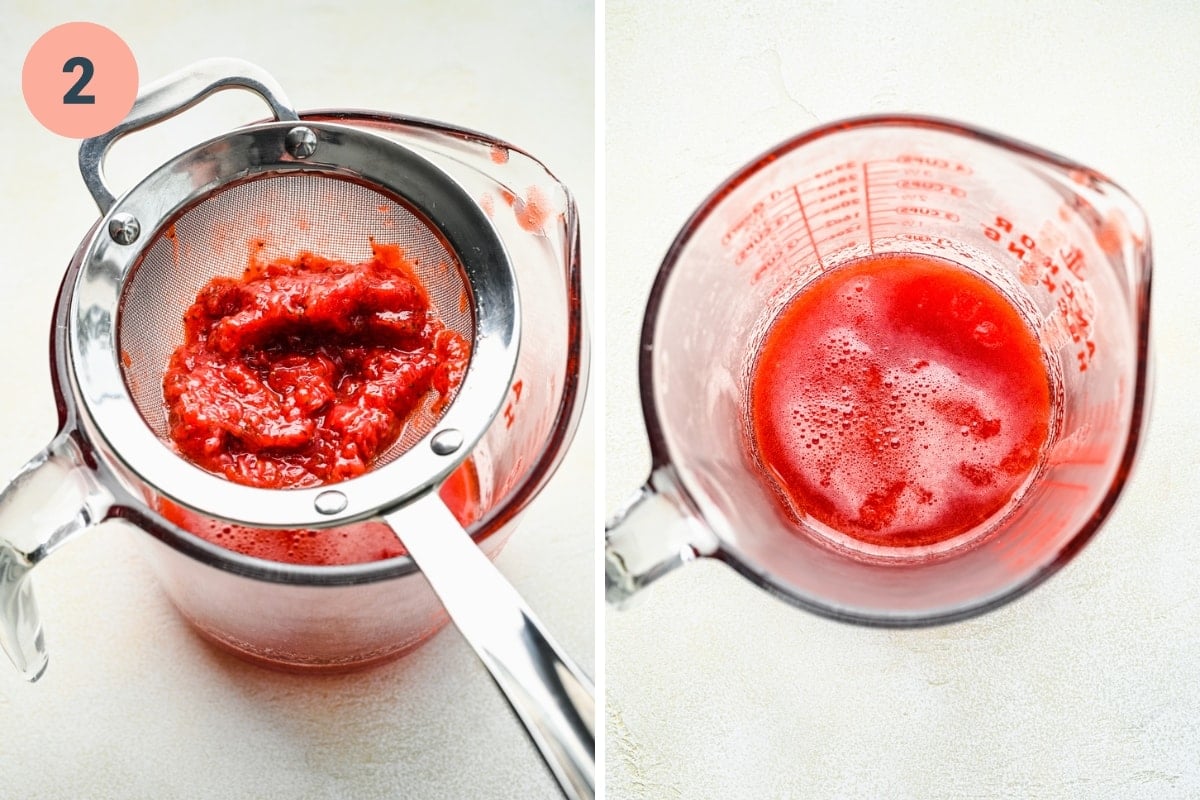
[(900, 400)]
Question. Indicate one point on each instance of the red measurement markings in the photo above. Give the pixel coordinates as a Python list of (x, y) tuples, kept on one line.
[(838, 202), (925, 238), (934, 162), (930, 187), (831, 177), (827, 205), (807, 227), (831, 184), (836, 182), (758, 213), (770, 233), (846, 194), (1060, 274), (832, 202), (743, 224), (510, 410), (867, 193), (928, 212), (904, 191), (917, 177)]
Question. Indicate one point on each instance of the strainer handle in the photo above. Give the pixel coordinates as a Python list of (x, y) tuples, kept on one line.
[(172, 95), (550, 694)]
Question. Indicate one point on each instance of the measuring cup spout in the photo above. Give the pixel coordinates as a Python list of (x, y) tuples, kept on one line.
[(656, 531), (1117, 222), (54, 496)]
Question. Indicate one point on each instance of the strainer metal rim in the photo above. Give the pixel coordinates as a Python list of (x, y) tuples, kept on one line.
[(262, 151)]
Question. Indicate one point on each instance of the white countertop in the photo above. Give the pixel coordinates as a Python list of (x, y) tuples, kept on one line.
[(133, 704), (1084, 688)]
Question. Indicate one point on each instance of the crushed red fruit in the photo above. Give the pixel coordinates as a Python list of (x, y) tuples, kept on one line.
[(304, 370)]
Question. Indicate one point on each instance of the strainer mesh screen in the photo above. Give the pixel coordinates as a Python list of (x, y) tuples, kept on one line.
[(290, 214)]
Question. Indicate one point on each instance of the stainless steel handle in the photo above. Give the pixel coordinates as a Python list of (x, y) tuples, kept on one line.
[(552, 697), (172, 95)]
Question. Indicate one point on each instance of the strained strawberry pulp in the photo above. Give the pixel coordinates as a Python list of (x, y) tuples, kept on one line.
[(305, 370)]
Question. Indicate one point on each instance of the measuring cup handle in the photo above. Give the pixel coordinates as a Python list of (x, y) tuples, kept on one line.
[(655, 532), (172, 95), (53, 497), (550, 694)]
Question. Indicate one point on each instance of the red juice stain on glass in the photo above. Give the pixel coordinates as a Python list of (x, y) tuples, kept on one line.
[(533, 210), (900, 400)]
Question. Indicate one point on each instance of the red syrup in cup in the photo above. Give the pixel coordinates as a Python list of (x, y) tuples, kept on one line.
[(900, 400)]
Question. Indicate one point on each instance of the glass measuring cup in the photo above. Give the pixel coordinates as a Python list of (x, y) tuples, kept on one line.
[(327, 618), (307, 624), (1066, 246)]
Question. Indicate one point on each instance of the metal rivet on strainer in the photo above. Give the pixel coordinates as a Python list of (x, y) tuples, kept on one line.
[(124, 228), (301, 142), (446, 442), (330, 502)]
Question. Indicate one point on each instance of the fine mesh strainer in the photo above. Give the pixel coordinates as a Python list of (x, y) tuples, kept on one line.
[(269, 190), (277, 217), (314, 187)]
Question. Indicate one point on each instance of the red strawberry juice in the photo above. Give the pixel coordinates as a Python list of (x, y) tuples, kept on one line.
[(900, 400)]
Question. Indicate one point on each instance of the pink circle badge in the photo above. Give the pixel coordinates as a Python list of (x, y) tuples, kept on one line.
[(79, 79)]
